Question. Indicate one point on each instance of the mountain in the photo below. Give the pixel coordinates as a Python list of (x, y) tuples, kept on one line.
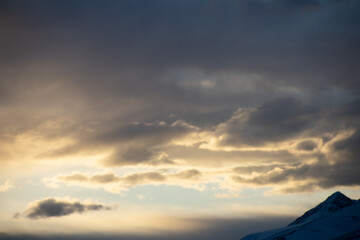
[(337, 218)]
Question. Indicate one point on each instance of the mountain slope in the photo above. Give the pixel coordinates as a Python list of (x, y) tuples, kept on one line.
[(337, 218)]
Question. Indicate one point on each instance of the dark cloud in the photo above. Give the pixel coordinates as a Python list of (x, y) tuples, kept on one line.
[(134, 155), (337, 159), (158, 132), (274, 121), (132, 144), (57, 208), (346, 157), (306, 145), (349, 112), (118, 63), (110, 74), (139, 142), (109, 56), (297, 4), (338, 167)]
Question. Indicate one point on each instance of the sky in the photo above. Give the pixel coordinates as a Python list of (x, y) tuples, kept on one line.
[(165, 119)]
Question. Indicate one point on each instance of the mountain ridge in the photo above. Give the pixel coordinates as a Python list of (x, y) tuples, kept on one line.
[(336, 218), (333, 203)]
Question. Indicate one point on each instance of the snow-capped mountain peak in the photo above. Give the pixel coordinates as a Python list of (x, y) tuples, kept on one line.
[(336, 218), (332, 204)]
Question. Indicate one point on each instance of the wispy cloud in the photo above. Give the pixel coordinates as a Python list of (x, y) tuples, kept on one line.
[(190, 178), (6, 186)]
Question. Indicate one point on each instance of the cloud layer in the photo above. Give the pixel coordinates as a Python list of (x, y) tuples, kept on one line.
[(130, 101), (191, 178), (220, 95)]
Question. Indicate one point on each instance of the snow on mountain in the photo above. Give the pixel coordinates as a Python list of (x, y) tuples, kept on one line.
[(337, 218), (332, 204)]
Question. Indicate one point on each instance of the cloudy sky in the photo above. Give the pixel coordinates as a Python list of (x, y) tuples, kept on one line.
[(143, 119)]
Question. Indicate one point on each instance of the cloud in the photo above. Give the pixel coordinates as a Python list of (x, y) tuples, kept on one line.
[(190, 178), (52, 207), (328, 160), (306, 145), (6, 186), (137, 83), (277, 175), (337, 166), (146, 132), (191, 174), (274, 121), (260, 94), (288, 5), (345, 157), (143, 178), (299, 146), (132, 144), (119, 99), (138, 92), (98, 178), (298, 149)]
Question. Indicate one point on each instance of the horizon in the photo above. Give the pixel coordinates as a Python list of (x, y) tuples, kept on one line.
[(204, 119), (189, 235)]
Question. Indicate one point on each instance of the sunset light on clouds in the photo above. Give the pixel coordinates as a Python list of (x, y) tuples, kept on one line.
[(171, 119)]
